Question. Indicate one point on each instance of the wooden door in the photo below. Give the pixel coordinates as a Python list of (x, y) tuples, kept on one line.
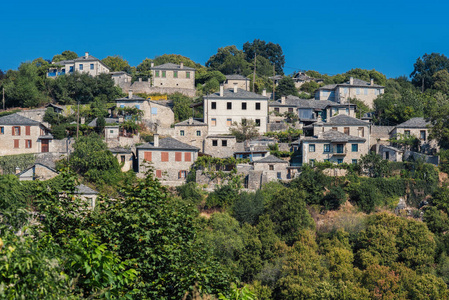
[(44, 146)]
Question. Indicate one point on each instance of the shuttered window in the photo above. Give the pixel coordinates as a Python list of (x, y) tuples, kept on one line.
[(27, 130), (16, 143), (158, 173), (164, 156), (178, 156), (147, 156), (188, 156)]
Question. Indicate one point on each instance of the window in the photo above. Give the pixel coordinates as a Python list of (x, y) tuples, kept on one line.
[(27, 143), (346, 130), (290, 109), (228, 105), (228, 122), (164, 74), (312, 148), (340, 161), (2, 130), (122, 159), (164, 156), (215, 143), (111, 131), (243, 105), (407, 132), (182, 174), (154, 110), (147, 156), (198, 133), (361, 132), (16, 143), (213, 105), (271, 167), (354, 161), (187, 156), (257, 105), (137, 106), (276, 109), (71, 69), (178, 156), (175, 74), (345, 91), (347, 111), (422, 135), (187, 74), (355, 148), (243, 121), (81, 67), (334, 128), (279, 175), (91, 66), (157, 73), (158, 173), (27, 130), (257, 122), (340, 148), (327, 148), (224, 143), (365, 91), (16, 130), (357, 91), (213, 122), (181, 133)]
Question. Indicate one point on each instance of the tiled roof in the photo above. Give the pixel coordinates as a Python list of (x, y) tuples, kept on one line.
[(241, 94), (169, 144), (191, 122), (16, 119), (333, 136), (236, 77), (414, 123), (271, 159), (345, 120), (170, 66)]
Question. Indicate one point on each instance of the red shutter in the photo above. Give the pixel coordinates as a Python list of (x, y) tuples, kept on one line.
[(28, 130), (147, 156), (16, 143), (179, 174), (13, 131), (164, 156), (158, 173), (178, 156), (188, 156)]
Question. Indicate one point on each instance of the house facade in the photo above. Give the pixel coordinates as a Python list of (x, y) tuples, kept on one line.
[(220, 145), (170, 159), (241, 81), (173, 76), (354, 88), (192, 132), (84, 64), (222, 109), (419, 128), (21, 135)]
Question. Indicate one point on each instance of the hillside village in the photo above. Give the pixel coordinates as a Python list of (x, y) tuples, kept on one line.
[(229, 178)]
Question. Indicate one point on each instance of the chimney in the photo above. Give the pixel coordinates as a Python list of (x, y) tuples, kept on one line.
[(130, 94), (221, 90), (156, 140), (17, 170), (372, 81), (140, 79), (152, 64), (181, 65), (86, 55), (235, 87), (190, 121), (351, 80), (264, 92), (283, 100)]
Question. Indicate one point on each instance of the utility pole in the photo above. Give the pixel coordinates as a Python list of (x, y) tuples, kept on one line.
[(254, 73), (3, 98), (274, 85), (422, 86), (78, 121)]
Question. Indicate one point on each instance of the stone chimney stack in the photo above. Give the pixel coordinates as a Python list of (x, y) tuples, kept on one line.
[(181, 65), (221, 90), (264, 92), (351, 80), (130, 94), (156, 140), (152, 64), (86, 55), (235, 88), (372, 81), (18, 170), (283, 100)]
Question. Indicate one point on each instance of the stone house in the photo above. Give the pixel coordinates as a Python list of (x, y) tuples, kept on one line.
[(155, 113), (299, 78), (170, 159), (241, 81), (390, 153), (272, 168), (224, 108), (419, 128), (84, 64), (192, 132), (252, 155), (37, 171), (173, 76), (87, 194), (220, 145), (120, 78), (354, 88), (333, 146), (21, 135), (125, 157)]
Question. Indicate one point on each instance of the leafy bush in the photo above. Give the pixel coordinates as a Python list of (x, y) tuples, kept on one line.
[(222, 197), (334, 198), (190, 192), (248, 207)]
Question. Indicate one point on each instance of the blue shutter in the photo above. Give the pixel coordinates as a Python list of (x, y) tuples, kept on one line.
[(154, 110)]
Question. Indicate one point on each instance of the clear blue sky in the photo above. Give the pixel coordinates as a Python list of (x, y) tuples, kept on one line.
[(326, 36)]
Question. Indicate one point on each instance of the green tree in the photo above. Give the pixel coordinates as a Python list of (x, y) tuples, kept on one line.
[(441, 81), (245, 130), (229, 60), (437, 113), (425, 68), (374, 165), (181, 106), (286, 87), (116, 63), (65, 55), (272, 52)]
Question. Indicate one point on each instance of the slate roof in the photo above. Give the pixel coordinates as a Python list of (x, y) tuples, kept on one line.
[(93, 123), (270, 159), (120, 150), (345, 120), (84, 190), (168, 144), (170, 66), (51, 169), (166, 103), (414, 123), (191, 122), (333, 136), (241, 94), (236, 77), (16, 119), (305, 103), (133, 98), (80, 59), (356, 83)]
